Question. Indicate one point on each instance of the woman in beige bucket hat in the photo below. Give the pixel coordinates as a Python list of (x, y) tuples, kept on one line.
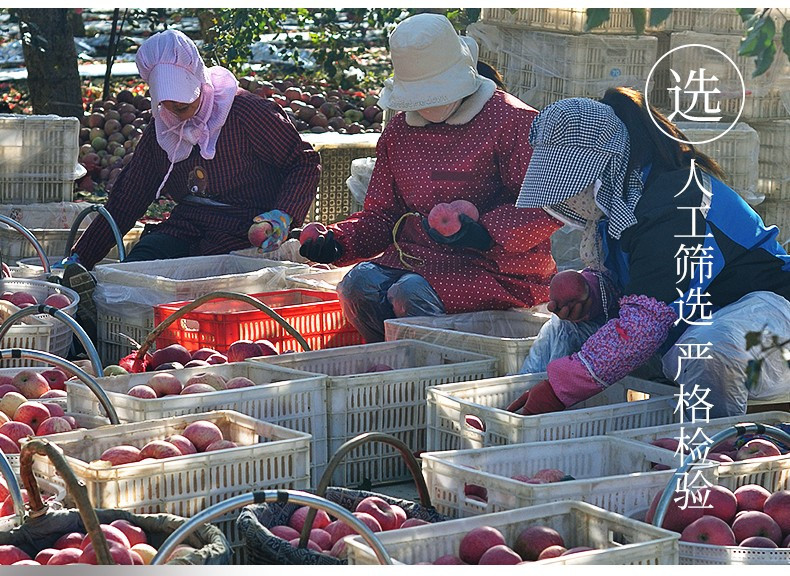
[(457, 137)]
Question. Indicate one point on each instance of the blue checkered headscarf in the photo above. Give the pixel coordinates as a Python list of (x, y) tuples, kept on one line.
[(575, 142)]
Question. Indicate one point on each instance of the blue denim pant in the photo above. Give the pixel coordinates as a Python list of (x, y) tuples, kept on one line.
[(370, 294)]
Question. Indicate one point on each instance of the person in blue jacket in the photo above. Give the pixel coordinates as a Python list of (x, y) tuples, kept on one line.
[(689, 267)]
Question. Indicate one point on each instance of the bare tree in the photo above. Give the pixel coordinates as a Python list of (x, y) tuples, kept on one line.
[(51, 60)]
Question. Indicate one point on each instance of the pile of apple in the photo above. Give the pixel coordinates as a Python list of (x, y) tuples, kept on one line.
[(543, 476), (109, 136), (197, 437), (166, 384), (22, 299), (327, 535), (127, 543), (176, 356), (319, 109), (750, 517), (726, 451), (23, 408), (445, 217), (485, 545)]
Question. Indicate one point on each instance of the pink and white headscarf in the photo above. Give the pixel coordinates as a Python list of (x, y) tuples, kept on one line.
[(171, 65)]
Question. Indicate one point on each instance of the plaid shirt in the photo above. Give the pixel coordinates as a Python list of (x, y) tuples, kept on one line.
[(261, 164)]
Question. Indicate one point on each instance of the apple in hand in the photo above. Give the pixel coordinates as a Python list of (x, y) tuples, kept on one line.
[(444, 219), (258, 233), (466, 207), (312, 231)]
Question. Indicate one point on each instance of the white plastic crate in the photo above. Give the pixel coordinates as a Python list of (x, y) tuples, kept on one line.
[(763, 98), (285, 397), (505, 334), (543, 67), (711, 427), (51, 494), (613, 473), (60, 334), (287, 252), (268, 457), (706, 20), (392, 402), (564, 20), (30, 333), (317, 279), (51, 224), (126, 292), (736, 151), (774, 159), (617, 539), (454, 408), (38, 158)]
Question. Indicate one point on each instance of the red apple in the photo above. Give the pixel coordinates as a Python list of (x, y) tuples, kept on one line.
[(310, 545), (312, 231), (57, 300), (121, 554), (134, 534), (296, 521), (203, 353), (56, 378), (368, 520), (243, 349), (8, 387), (709, 530), (531, 541), (202, 433), (499, 555), (21, 298), (475, 543), (164, 383), (111, 533), (568, 287), (159, 449), (267, 348), (777, 506), (380, 510), (69, 540), (444, 219), (217, 359), (552, 552), (199, 388), (751, 497), (182, 443), (122, 454), (54, 409), (259, 232), (7, 508), (32, 414), (668, 443), (44, 555), (550, 475), (411, 522), (53, 425), (757, 448), (30, 383), (171, 353), (10, 554), (723, 503), (466, 207), (322, 538), (142, 391), (758, 542), (16, 430), (284, 532), (754, 523), (675, 519), (448, 560), (65, 556), (400, 515), (8, 446), (220, 445), (239, 382)]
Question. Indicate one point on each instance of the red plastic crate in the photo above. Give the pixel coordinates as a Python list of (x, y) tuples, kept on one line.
[(315, 314)]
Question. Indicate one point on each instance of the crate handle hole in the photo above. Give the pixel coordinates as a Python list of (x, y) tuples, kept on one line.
[(188, 325), (474, 493)]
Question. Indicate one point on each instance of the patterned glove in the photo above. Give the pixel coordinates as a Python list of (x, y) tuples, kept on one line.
[(324, 249), (471, 235), (280, 223)]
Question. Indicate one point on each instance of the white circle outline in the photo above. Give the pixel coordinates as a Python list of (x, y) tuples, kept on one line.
[(743, 92)]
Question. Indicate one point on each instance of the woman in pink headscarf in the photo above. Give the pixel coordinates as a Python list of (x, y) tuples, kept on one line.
[(226, 156)]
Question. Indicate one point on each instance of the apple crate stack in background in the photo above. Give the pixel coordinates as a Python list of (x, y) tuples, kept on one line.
[(544, 55)]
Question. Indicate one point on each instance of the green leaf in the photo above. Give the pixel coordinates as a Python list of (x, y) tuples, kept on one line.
[(745, 13), (764, 60), (658, 15), (640, 17), (786, 38), (596, 17), (758, 38), (753, 339)]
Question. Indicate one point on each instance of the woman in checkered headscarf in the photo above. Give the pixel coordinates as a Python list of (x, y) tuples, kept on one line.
[(609, 167)]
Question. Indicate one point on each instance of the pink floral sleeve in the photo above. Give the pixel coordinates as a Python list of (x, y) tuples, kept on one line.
[(617, 348)]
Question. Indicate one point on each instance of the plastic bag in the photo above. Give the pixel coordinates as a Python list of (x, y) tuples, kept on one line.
[(725, 338), (361, 171)]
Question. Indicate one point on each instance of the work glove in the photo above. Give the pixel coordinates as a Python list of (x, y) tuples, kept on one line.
[(67, 261), (471, 235), (541, 400), (324, 249), (278, 222)]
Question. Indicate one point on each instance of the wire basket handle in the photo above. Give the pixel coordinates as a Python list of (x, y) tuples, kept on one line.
[(698, 452), (268, 496), (13, 488), (58, 314), (348, 446), (88, 380), (75, 226), (30, 237), (219, 296), (76, 489)]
